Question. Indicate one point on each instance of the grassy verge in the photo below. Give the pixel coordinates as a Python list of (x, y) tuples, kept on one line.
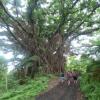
[(90, 88), (27, 91)]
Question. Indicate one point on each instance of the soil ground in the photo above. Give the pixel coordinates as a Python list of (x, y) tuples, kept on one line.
[(58, 91)]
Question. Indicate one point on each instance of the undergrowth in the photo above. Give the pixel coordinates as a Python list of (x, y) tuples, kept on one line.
[(91, 88), (27, 91)]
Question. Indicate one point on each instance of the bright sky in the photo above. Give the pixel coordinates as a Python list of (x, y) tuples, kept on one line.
[(7, 55)]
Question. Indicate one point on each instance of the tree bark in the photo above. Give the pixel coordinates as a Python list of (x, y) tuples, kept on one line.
[(54, 55), (56, 61)]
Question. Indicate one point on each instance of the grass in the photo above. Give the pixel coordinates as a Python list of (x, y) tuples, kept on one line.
[(29, 90), (91, 88)]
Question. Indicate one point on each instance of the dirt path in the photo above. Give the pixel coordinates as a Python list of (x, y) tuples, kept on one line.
[(62, 92)]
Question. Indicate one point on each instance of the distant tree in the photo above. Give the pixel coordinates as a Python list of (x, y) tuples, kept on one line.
[(3, 70), (3, 67), (79, 64), (94, 66)]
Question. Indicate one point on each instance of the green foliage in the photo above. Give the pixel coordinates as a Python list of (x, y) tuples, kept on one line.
[(5, 1), (94, 70), (90, 88), (2, 60), (29, 90), (90, 78), (3, 67), (94, 64), (96, 42), (75, 63), (90, 81), (1, 12), (28, 61)]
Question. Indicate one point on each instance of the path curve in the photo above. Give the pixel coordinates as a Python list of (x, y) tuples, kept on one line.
[(62, 92)]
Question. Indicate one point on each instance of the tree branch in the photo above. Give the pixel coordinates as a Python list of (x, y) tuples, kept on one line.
[(1, 4), (64, 18), (14, 36), (82, 22), (86, 32), (94, 9)]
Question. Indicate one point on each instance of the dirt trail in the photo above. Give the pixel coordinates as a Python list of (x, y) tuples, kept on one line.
[(62, 92)]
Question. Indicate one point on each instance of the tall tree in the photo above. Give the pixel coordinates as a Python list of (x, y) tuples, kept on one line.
[(3, 71), (45, 27)]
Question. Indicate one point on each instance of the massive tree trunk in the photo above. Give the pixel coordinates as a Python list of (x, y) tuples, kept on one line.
[(54, 55), (56, 61)]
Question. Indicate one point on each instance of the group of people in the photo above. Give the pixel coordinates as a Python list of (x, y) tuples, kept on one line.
[(69, 77)]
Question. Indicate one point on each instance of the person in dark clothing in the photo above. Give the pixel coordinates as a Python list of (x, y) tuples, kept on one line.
[(62, 77), (75, 76)]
